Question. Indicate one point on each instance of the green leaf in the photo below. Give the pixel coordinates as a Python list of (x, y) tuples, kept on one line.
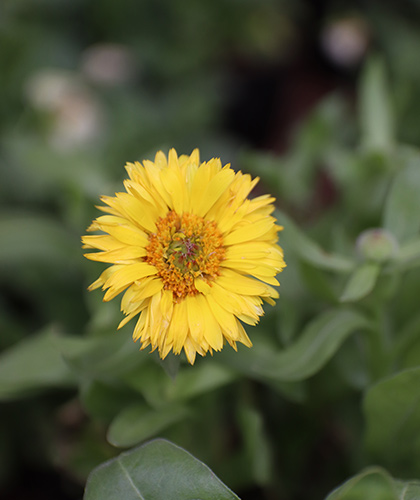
[(105, 400), (195, 380), (361, 282), (309, 251), (25, 236), (317, 283), (155, 471), (408, 256), (402, 206), (190, 382), (32, 364), (377, 121), (392, 411), (373, 483), (408, 490), (257, 450), (138, 422), (101, 356), (317, 344)]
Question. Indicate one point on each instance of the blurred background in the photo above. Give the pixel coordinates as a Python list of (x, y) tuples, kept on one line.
[(87, 85)]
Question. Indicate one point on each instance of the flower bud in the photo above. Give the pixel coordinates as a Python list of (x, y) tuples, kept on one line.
[(376, 244)]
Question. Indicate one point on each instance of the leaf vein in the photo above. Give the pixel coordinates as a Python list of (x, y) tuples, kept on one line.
[(131, 481)]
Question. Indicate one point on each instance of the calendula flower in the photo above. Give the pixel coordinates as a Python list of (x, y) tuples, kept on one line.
[(194, 255)]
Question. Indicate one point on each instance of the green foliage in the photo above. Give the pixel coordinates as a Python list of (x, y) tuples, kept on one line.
[(361, 282), (315, 346), (376, 484), (33, 364), (376, 116), (158, 469), (392, 410), (331, 386)]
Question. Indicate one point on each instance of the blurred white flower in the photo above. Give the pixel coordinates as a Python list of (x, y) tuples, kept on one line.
[(108, 64), (345, 41), (76, 116)]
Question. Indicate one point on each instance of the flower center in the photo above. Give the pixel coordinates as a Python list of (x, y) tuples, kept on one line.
[(185, 247)]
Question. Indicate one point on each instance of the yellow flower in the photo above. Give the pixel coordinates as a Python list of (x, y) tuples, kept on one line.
[(194, 255)]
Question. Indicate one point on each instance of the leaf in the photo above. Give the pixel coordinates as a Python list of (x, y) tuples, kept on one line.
[(190, 382), (32, 364), (105, 400), (30, 237), (100, 356), (408, 256), (317, 344), (392, 412), (402, 206), (138, 422), (309, 251), (317, 283), (408, 490), (155, 471), (373, 483), (361, 282), (377, 121), (195, 380), (256, 447)]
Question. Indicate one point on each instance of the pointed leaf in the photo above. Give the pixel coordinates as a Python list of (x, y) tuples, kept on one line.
[(29, 237), (138, 423), (373, 483), (317, 344), (32, 364), (361, 282), (377, 122), (155, 471)]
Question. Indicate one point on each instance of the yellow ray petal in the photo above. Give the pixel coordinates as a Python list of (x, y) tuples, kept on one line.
[(120, 256), (195, 318), (212, 332), (178, 328), (226, 319), (124, 276)]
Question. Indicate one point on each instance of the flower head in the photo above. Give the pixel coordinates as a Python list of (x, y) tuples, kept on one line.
[(193, 254)]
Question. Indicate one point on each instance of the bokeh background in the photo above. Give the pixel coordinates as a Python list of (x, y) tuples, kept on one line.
[(87, 85)]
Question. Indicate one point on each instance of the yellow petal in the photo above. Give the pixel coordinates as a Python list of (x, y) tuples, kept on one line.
[(120, 256), (195, 318), (206, 195), (226, 319), (212, 332), (249, 232), (236, 282), (202, 286), (178, 328), (124, 276)]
